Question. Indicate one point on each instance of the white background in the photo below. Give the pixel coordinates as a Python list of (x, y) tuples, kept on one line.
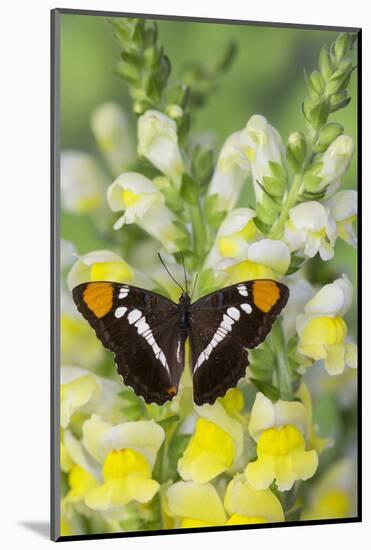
[(24, 287)]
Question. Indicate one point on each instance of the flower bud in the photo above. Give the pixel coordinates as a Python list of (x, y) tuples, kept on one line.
[(158, 142), (318, 115), (335, 161), (341, 46), (325, 63), (174, 111), (263, 147), (327, 135), (317, 82), (296, 150)]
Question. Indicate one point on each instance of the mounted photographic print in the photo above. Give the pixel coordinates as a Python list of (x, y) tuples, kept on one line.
[(204, 275)]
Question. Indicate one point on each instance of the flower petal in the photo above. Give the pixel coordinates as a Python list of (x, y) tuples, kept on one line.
[(200, 502)]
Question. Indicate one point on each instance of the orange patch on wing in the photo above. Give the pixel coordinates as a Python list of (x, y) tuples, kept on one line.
[(99, 298), (265, 294), (171, 391)]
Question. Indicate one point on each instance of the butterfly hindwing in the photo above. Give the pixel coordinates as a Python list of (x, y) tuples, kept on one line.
[(141, 328), (222, 325)]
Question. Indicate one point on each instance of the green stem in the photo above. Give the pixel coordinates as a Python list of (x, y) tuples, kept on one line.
[(279, 226), (199, 231), (282, 370)]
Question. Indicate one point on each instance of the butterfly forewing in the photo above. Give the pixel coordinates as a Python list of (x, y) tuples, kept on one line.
[(222, 325), (141, 328)]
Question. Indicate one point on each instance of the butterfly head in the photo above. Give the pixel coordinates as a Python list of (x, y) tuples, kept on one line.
[(185, 298)]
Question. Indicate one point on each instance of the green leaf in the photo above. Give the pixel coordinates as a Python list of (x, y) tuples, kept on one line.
[(278, 170), (273, 186), (189, 189), (202, 163), (166, 423), (318, 115), (267, 389), (133, 406), (262, 227)]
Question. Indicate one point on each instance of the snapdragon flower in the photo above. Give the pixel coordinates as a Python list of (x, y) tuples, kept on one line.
[(247, 505), (214, 446), (111, 131), (83, 183), (127, 453), (280, 430), (264, 149), (343, 208), (231, 172), (234, 235), (322, 330), (158, 142), (263, 259), (143, 204), (311, 229), (335, 163), (334, 494), (82, 390), (104, 265)]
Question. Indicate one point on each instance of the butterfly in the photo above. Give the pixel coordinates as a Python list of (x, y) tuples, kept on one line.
[(147, 333)]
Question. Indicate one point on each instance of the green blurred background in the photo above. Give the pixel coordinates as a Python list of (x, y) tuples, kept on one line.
[(266, 77)]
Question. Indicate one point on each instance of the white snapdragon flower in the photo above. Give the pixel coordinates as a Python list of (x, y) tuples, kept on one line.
[(343, 207), (262, 144), (311, 229), (83, 183), (335, 163), (111, 131), (231, 171), (234, 236), (143, 204), (158, 142), (322, 330), (264, 259)]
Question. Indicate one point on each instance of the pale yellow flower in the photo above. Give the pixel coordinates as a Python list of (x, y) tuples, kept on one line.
[(282, 455), (104, 265), (246, 505), (127, 452), (195, 505), (322, 329), (214, 446), (334, 495)]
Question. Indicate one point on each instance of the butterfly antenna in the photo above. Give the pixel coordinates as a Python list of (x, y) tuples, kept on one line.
[(184, 270), (168, 272)]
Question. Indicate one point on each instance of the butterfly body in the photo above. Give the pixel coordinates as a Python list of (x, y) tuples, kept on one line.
[(147, 333)]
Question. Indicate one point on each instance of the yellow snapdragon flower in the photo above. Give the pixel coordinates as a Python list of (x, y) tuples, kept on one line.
[(246, 505), (214, 446), (127, 453), (322, 329), (83, 391), (334, 495), (282, 456), (104, 265), (195, 505)]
